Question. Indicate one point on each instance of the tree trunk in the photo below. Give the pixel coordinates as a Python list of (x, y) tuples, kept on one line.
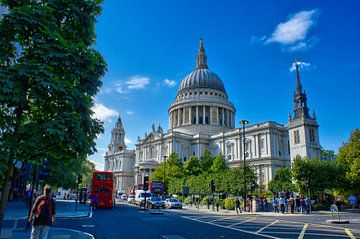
[(6, 191)]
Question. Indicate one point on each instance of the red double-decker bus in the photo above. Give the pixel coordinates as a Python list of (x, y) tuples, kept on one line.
[(156, 187), (103, 187)]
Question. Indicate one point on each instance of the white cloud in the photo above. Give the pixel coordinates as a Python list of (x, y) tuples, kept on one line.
[(138, 82), (302, 65), (294, 32), (128, 141), (119, 88), (130, 112), (98, 166), (103, 113), (169, 83)]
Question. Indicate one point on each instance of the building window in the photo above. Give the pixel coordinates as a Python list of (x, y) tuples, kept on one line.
[(201, 115), (213, 116), (262, 145), (312, 135), (207, 114), (193, 114), (296, 137), (186, 115), (220, 116)]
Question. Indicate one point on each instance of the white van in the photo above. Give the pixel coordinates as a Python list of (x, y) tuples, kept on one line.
[(140, 196)]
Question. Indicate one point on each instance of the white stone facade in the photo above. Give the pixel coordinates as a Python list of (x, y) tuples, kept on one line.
[(202, 118)]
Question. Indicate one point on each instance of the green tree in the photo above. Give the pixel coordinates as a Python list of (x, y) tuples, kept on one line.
[(219, 164), (349, 159), (206, 161), (192, 166), (49, 75), (282, 181), (316, 175)]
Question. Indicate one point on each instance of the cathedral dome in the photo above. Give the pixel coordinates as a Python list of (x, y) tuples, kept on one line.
[(201, 77)]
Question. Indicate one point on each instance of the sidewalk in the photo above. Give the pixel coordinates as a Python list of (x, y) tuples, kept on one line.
[(16, 213), (204, 209)]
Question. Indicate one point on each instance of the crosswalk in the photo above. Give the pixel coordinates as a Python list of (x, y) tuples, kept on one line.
[(275, 228)]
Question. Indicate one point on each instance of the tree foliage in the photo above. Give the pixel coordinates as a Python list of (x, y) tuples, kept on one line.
[(192, 166), (219, 164), (349, 158), (316, 175), (49, 75), (282, 181), (206, 161)]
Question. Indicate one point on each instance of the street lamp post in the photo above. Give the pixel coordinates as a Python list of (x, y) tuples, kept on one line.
[(244, 122), (165, 157)]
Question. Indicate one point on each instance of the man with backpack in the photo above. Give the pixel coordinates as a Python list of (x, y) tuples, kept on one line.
[(42, 215)]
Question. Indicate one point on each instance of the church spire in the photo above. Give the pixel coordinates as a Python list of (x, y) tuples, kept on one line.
[(119, 122), (298, 84), (201, 57), (300, 101)]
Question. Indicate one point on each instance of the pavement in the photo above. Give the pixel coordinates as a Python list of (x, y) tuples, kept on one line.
[(16, 213)]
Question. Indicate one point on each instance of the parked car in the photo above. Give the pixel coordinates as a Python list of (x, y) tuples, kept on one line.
[(173, 203), (155, 202), (124, 197), (131, 198)]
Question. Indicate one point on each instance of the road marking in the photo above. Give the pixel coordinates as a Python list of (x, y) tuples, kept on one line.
[(88, 225), (347, 230), (221, 219), (261, 229), (302, 233), (249, 220), (231, 228)]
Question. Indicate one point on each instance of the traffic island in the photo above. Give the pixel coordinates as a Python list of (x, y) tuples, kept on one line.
[(338, 221)]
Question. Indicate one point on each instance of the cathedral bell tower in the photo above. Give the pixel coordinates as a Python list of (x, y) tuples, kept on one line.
[(303, 128), (117, 138)]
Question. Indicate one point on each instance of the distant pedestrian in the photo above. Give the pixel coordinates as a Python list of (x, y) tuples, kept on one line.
[(292, 204), (95, 201), (42, 215), (237, 206), (208, 201), (302, 205), (190, 201), (262, 204), (217, 206), (297, 204), (28, 197), (282, 204), (307, 205), (265, 204), (275, 205)]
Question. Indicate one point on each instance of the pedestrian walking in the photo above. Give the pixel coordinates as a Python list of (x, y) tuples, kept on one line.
[(265, 204), (95, 201), (307, 205), (302, 205), (237, 206), (275, 205), (292, 204), (190, 201), (282, 204), (297, 204), (42, 215), (262, 204)]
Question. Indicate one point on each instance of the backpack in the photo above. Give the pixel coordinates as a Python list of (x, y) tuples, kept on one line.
[(44, 209)]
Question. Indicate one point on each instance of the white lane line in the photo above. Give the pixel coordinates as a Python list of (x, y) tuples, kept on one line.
[(221, 219), (249, 220), (262, 229), (232, 228), (302, 233), (351, 236)]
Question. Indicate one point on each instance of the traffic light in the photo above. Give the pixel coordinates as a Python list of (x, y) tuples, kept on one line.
[(146, 183), (44, 171), (80, 178)]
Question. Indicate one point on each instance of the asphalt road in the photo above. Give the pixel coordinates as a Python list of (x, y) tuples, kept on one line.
[(126, 221)]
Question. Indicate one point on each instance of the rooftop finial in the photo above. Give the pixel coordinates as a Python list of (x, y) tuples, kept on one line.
[(201, 57)]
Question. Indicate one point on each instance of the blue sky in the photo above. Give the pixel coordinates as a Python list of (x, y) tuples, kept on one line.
[(150, 46)]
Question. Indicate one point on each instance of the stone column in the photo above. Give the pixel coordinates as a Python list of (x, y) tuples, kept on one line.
[(223, 116), (197, 114), (203, 115), (178, 111), (217, 115), (190, 115)]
